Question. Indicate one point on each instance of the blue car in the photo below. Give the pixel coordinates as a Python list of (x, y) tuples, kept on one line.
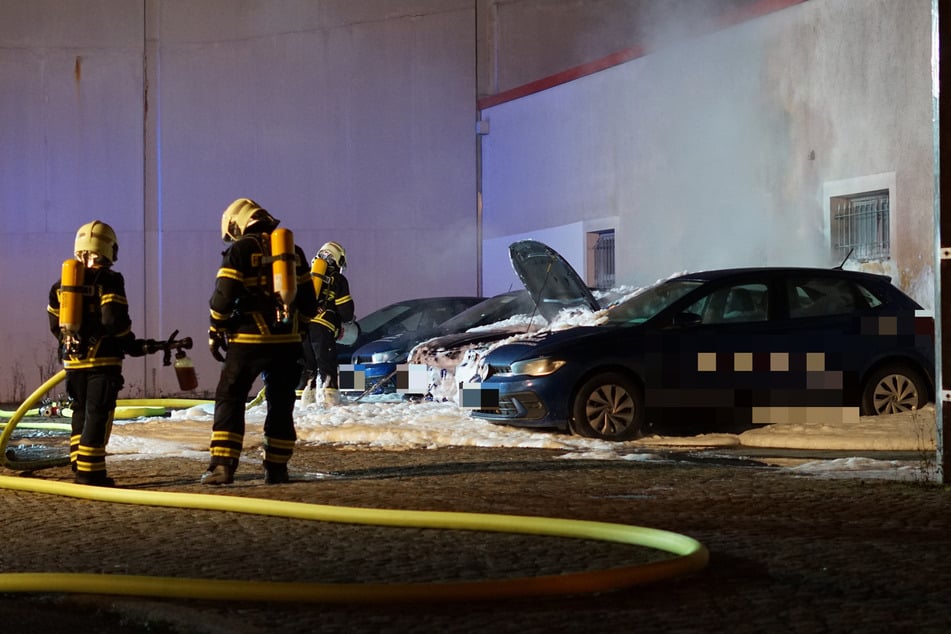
[(378, 359), (720, 351)]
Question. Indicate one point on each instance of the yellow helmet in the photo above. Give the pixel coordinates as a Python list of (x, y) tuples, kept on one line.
[(241, 215), (334, 253), (97, 239)]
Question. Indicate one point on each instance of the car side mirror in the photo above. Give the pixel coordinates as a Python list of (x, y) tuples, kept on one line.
[(686, 319)]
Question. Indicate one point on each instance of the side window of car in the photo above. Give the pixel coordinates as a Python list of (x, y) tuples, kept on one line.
[(870, 298), (817, 296), (730, 304)]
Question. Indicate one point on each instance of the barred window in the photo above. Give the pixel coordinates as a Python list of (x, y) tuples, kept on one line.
[(860, 225), (601, 259)]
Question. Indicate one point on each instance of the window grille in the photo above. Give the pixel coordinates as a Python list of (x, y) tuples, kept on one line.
[(860, 225), (604, 260)]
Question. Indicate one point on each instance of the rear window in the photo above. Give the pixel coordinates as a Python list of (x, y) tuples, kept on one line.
[(818, 296)]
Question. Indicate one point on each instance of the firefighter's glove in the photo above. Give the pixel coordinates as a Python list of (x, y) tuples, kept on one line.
[(136, 348), (217, 343), (142, 347), (152, 346)]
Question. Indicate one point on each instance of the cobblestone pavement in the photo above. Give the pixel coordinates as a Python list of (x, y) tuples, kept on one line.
[(788, 553)]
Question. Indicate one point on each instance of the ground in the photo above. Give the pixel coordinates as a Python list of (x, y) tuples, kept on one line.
[(787, 552)]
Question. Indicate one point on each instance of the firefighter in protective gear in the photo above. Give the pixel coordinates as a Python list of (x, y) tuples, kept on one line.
[(92, 344), (320, 345), (255, 334)]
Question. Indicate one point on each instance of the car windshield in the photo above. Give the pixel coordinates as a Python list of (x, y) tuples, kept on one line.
[(492, 310), (649, 302), (377, 319)]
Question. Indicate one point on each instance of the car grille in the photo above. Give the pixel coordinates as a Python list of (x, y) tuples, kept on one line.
[(522, 405)]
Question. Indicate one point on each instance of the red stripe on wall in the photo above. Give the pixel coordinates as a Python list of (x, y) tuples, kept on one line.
[(734, 17)]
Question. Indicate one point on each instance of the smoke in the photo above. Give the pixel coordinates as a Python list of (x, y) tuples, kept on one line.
[(719, 168)]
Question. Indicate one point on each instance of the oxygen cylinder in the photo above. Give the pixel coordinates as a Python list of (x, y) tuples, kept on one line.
[(284, 265), (185, 372), (71, 296), (318, 268)]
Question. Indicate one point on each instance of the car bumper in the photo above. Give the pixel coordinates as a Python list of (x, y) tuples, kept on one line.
[(520, 404)]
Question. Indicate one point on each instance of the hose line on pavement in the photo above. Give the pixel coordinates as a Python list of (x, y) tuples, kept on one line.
[(689, 554), (9, 460)]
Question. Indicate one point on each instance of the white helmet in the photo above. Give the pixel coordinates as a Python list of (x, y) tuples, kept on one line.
[(96, 239), (333, 253), (240, 216)]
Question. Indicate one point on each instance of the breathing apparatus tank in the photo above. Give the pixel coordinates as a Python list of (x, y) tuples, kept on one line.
[(284, 268), (71, 303), (318, 270)]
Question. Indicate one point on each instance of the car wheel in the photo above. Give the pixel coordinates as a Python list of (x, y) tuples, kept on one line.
[(893, 389), (609, 406)]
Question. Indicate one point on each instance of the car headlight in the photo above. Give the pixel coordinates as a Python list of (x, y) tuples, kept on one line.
[(388, 356), (536, 367)]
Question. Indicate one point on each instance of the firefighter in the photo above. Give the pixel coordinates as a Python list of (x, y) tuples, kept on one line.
[(256, 312), (89, 316), (336, 308)]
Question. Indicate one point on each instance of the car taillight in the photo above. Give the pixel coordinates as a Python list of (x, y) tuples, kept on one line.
[(924, 323)]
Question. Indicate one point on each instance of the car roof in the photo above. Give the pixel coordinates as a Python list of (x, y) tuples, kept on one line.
[(715, 274)]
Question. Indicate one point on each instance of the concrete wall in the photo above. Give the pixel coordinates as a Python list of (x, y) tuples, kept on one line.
[(349, 121), (71, 148), (720, 150)]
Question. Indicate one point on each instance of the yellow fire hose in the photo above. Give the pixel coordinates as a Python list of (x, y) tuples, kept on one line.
[(27, 465), (689, 554)]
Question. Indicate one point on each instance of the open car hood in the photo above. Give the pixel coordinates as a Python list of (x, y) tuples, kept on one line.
[(549, 279)]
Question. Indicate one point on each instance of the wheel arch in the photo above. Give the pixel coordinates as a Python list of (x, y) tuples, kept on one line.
[(899, 360), (593, 371)]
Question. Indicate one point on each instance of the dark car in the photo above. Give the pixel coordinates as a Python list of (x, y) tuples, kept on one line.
[(721, 351), (406, 317), (378, 359)]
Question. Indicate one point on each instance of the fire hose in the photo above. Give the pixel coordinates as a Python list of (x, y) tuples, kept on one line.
[(689, 555)]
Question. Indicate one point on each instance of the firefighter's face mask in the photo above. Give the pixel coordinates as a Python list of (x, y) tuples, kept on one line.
[(92, 260), (327, 257)]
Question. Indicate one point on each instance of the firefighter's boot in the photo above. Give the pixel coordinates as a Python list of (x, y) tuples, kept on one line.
[(219, 473), (94, 478), (307, 394), (275, 473), (329, 396)]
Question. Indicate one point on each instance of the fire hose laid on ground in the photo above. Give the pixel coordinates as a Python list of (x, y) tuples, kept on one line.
[(689, 555)]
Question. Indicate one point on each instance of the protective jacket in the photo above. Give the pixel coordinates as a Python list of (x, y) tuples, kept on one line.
[(335, 301), (244, 305), (106, 329)]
